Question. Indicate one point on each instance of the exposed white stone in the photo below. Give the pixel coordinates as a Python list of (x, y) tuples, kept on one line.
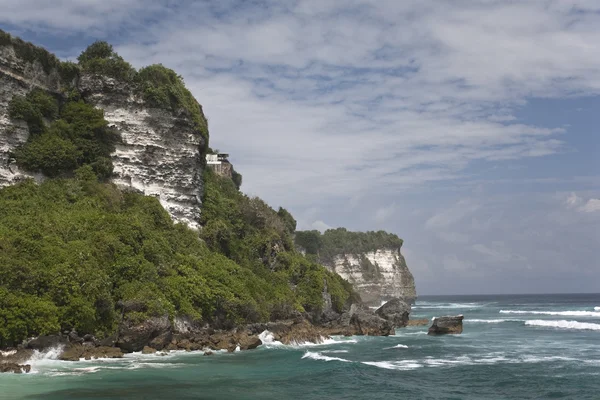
[(376, 275), (159, 153)]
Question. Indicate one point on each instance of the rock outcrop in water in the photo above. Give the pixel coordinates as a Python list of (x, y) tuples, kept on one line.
[(446, 325), (396, 311)]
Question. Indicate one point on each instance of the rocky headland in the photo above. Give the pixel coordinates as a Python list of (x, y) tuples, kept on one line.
[(116, 238)]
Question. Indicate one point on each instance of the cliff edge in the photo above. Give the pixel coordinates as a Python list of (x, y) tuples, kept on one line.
[(371, 261), (161, 146)]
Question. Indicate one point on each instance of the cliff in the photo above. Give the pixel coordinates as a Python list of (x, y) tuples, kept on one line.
[(160, 150), (372, 262), (81, 254)]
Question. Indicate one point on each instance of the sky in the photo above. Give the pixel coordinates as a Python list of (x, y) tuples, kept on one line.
[(468, 128)]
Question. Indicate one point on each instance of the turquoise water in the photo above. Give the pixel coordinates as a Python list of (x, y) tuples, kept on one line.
[(513, 347)]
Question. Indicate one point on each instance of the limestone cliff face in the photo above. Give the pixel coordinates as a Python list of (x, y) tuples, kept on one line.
[(17, 77), (376, 275), (160, 153)]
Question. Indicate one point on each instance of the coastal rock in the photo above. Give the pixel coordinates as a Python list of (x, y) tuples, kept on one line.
[(148, 350), (134, 336), (360, 320), (418, 322), (75, 352), (15, 368), (247, 342), (47, 342), (446, 325), (396, 311)]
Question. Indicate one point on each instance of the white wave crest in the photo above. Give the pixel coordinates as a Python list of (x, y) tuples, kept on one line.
[(269, 341), (404, 365), (51, 354), (398, 346), (334, 351), (564, 324), (596, 308), (318, 356), (556, 313), (448, 305), (491, 321)]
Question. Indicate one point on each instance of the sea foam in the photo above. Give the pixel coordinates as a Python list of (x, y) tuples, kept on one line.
[(564, 324), (596, 308), (398, 346), (491, 321), (318, 356), (556, 313)]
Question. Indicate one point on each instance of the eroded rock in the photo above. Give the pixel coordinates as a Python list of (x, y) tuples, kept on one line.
[(446, 325)]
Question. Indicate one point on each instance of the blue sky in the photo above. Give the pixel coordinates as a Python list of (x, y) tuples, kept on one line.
[(469, 128)]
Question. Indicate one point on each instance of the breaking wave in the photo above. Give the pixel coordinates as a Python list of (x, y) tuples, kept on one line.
[(596, 308), (398, 346), (564, 324), (449, 305), (557, 313), (318, 356), (404, 365), (491, 321), (269, 341)]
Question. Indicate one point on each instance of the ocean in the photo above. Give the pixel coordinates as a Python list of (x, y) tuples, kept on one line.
[(513, 347)]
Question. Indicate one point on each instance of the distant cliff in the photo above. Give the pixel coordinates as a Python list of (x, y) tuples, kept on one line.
[(161, 148), (370, 261)]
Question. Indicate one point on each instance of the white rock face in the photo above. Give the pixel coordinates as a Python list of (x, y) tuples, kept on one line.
[(377, 275), (17, 78), (160, 151)]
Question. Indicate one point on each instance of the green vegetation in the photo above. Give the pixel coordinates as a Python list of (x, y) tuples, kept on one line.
[(341, 241), (162, 87), (100, 58), (79, 137), (75, 252), (78, 253), (159, 86)]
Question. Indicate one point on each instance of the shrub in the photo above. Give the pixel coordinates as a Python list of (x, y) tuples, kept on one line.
[(163, 88), (100, 58), (49, 154)]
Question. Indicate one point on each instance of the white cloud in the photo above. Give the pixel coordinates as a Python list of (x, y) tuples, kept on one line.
[(592, 205)]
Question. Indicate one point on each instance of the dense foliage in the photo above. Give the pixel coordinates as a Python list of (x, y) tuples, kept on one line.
[(341, 241), (248, 231), (162, 87), (100, 58), (78, 253), (72, 251), (80, 136)]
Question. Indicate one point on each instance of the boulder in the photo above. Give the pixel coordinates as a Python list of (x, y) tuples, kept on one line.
[(396, 311), (134, 336), (248, 342), (148, 350), (74, 337), (47, 342), (446, 325), (360, 320), (15, 368)]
